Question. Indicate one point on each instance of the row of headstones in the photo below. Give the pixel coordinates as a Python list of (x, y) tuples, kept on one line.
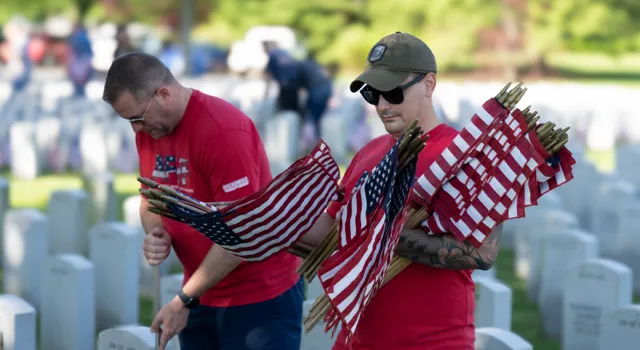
[(565, 276), (79, 143), (67, 318), (52, 144)]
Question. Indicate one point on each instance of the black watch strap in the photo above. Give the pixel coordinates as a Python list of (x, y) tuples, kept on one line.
[(188, 301)]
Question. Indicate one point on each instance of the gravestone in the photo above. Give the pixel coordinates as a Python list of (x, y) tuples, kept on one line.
[(493, 304), (591, 289), (131, 216), (4, 205), (491, 273), (559, 251), (114, 249), (169, 287), (25, 164), (612, 196), (281, 141), (68, 215), (68, 313), (17, 323), (533, 225), (102, 198), (626, 249), (499, 339), (26, 248), (621, 328), (131, 337), (528, 243), (93, 149)]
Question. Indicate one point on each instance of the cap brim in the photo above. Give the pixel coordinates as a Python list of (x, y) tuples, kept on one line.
[(379, 79)]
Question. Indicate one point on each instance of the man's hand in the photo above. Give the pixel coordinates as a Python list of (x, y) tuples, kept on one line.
[(172, 318), (157, 246)]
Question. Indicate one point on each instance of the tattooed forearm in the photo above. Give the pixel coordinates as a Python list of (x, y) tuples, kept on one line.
[(445, 251)]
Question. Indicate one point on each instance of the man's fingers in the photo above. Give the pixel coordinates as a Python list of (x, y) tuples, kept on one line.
[(155, 325), (155, 249), (164, 339)]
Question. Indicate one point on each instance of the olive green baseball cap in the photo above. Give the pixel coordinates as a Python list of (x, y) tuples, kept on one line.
[(392, 59)]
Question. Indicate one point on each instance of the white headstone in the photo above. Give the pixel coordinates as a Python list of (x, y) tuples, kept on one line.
[(169, 287), (590, 289), (103, 197), (493, 304), (17, 323), (491, 273), (131, 337), (499, 339), (68, 313), (114, 249), (621, 328), (26, 248), (68, 218), (131, 216), (93, 148), (612, 196), (559, 251), (626, 248), (281, 139), (25, 164)]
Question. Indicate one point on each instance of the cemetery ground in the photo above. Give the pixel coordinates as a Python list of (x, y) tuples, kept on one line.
[(526, 319)]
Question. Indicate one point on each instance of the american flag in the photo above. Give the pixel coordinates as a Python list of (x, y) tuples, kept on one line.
[(369, 230), (507, 171), (164, 166), (273, 218)]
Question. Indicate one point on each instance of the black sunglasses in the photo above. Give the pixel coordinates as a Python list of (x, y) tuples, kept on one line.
[(394, 96)]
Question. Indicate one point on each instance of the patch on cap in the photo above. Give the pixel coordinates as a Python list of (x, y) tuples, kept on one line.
[(377, 52)]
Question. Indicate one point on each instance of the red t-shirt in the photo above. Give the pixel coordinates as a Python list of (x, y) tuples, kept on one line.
[(215, 154), (423, 308)]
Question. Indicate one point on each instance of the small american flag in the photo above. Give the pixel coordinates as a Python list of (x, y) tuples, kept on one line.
[(369, 230), (506, 172), (273, 218)]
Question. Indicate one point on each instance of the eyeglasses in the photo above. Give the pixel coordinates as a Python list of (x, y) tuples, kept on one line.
[(135, 119), (394, 96)]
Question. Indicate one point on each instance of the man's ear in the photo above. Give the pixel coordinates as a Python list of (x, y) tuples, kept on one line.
[(430, 82), (165, 94)]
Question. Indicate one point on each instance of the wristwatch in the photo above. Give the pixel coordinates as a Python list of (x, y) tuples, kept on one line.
[(188, 301)]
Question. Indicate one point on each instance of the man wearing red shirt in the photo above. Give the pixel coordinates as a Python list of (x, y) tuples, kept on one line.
[(430, 304), (205, 147)]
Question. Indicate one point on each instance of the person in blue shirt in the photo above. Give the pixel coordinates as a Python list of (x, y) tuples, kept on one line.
[(282, 68), (316, 81)]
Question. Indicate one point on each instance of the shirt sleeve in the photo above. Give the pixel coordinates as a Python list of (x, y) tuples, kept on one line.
[(232, 164)]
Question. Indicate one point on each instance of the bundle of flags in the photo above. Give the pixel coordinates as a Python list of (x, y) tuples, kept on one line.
[(494, 169), (271, 219), (369, 230)]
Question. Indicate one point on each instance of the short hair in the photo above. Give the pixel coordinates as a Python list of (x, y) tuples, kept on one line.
[(139, 73)]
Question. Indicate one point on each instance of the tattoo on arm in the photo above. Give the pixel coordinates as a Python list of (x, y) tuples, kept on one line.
[(445, 251)]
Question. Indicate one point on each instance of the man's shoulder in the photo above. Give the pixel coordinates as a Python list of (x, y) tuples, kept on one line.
[(216, 115)]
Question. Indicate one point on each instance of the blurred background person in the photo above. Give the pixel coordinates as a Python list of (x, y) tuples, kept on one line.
[(16, 53), (315, 79), (79, 62), (123, 40), (283, 69)]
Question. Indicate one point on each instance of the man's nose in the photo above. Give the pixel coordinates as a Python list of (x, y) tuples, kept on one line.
[(383, 105)]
